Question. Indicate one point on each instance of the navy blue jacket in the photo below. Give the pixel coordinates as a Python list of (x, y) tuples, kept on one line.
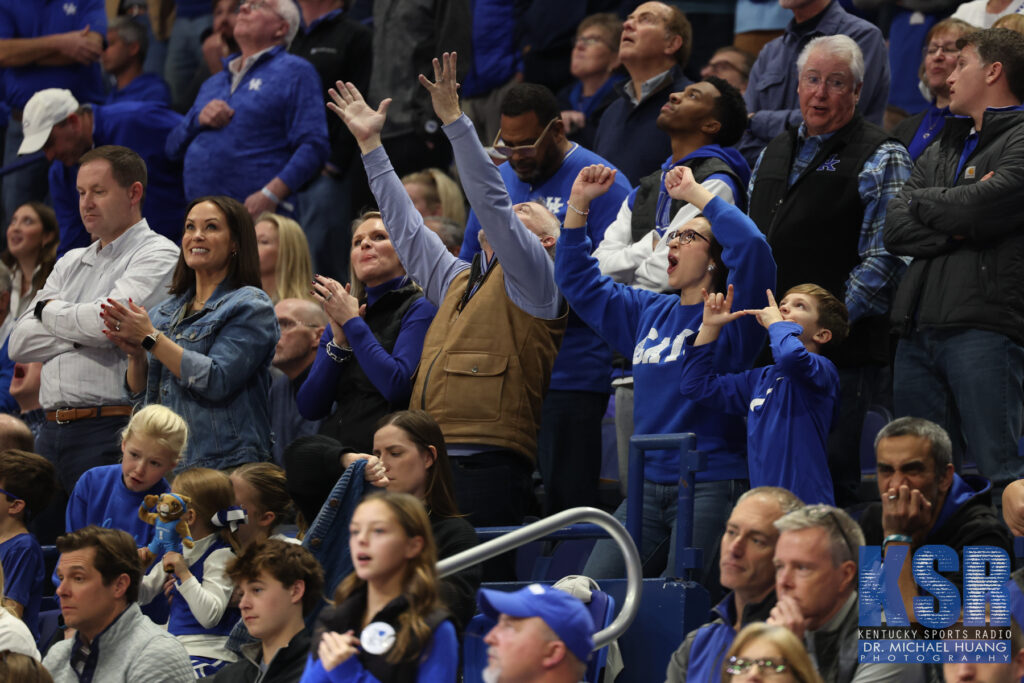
[(627, 135)]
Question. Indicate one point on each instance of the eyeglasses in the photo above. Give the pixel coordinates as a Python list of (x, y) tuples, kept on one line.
[(589, 41), (526, 151), (832, 83), (769, 667), (948, 49), (287, 324), (254, 5), (10, 495), (685, 236)]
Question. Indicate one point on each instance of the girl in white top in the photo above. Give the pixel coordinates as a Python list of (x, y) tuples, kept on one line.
[(199, 589)]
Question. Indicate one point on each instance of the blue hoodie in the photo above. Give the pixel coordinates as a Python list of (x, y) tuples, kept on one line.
[(653, 330)]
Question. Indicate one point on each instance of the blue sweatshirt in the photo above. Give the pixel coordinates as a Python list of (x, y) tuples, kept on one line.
[(653, 329), (439, 664), (584, 360), (144, 88), (101, 498), (140, 126), (789, 408), (24, 573), (20, 19), (279, 129)]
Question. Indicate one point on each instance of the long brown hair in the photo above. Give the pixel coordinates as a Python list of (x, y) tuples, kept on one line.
[(210, 492), (271, 486), (47, 252), (420, 582), (424, 431), (243, 265)]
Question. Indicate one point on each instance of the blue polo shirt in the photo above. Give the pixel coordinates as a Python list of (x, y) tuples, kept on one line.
[(142, 127), (24, 19)]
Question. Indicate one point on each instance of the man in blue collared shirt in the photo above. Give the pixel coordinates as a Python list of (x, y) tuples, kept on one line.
[(819, 193), (960, 308)]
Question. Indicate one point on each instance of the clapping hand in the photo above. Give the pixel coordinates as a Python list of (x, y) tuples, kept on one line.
[(444, 91), (337, 300), (362, 121)]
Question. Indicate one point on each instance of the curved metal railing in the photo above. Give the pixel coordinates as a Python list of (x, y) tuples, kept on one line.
[(544, 527)]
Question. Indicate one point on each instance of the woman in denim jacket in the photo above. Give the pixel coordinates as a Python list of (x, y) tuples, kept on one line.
[(212, 342)]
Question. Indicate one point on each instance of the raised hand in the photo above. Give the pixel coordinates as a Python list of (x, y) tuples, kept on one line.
[(718, 308), (768, 315), (363, 122), (592, 182), (444, 91), (337, 300), (681, 185)]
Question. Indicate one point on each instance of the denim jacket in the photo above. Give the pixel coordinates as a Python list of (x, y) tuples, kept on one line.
[(224, 390)]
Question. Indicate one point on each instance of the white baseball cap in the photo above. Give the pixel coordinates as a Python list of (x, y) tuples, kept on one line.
[(44, 110)]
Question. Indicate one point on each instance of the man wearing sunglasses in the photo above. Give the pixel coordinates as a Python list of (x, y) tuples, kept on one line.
[(816, 590), (542, 166)]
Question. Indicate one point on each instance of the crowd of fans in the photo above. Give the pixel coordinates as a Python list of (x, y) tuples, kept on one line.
[(378, 271)]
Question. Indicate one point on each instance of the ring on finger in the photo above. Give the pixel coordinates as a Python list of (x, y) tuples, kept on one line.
[(117, 326), (330, 295), (893, 497)]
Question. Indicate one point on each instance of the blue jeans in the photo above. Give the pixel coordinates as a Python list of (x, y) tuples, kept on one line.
[(325, 210), (713, 501), (184, 52), (25, 185), (969, 382), (569, 448)]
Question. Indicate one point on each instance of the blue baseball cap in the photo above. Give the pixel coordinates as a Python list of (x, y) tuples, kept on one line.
[(564, 614)]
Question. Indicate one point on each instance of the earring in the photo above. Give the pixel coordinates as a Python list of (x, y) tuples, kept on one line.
[(234, 253), (711, 267)]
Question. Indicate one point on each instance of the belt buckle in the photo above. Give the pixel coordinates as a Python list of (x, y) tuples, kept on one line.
[(64, 410)]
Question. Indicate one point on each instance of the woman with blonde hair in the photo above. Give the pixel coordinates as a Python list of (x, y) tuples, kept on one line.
[(764, 652), (390, 603), (286, 267), (363, 368), (434, 193)]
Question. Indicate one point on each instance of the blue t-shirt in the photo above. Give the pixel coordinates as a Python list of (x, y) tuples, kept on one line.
[(21, 19), (101, 498), (24, 573)]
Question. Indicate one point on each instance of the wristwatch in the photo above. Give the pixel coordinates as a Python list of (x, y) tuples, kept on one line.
[(149, 341), (38, 311)]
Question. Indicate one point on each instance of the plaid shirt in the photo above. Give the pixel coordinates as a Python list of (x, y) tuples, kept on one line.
[(872, 283)]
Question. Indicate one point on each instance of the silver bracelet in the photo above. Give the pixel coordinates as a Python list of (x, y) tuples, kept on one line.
[(573, 208), (339, 354)]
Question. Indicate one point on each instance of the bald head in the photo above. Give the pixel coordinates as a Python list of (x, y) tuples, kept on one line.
[(15, 434), (302, 322)]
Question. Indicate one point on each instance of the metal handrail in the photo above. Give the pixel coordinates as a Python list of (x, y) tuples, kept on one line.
[(540, 529)]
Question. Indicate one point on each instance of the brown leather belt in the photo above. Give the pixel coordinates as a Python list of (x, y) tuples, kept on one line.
[(65, 415)]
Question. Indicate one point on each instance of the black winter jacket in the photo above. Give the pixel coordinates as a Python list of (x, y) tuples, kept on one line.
[(966, 236)]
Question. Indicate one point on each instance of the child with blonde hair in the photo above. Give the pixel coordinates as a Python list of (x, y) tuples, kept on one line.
[(110, 496), (198, 588)]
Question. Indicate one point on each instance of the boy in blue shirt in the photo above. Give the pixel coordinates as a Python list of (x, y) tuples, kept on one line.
[(789, 405), (26, 484)]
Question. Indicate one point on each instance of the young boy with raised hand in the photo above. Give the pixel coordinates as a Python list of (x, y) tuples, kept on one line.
[(26, 483), (789, 405)]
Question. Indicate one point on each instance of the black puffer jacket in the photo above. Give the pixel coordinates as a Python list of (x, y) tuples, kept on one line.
[(966, 237)]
